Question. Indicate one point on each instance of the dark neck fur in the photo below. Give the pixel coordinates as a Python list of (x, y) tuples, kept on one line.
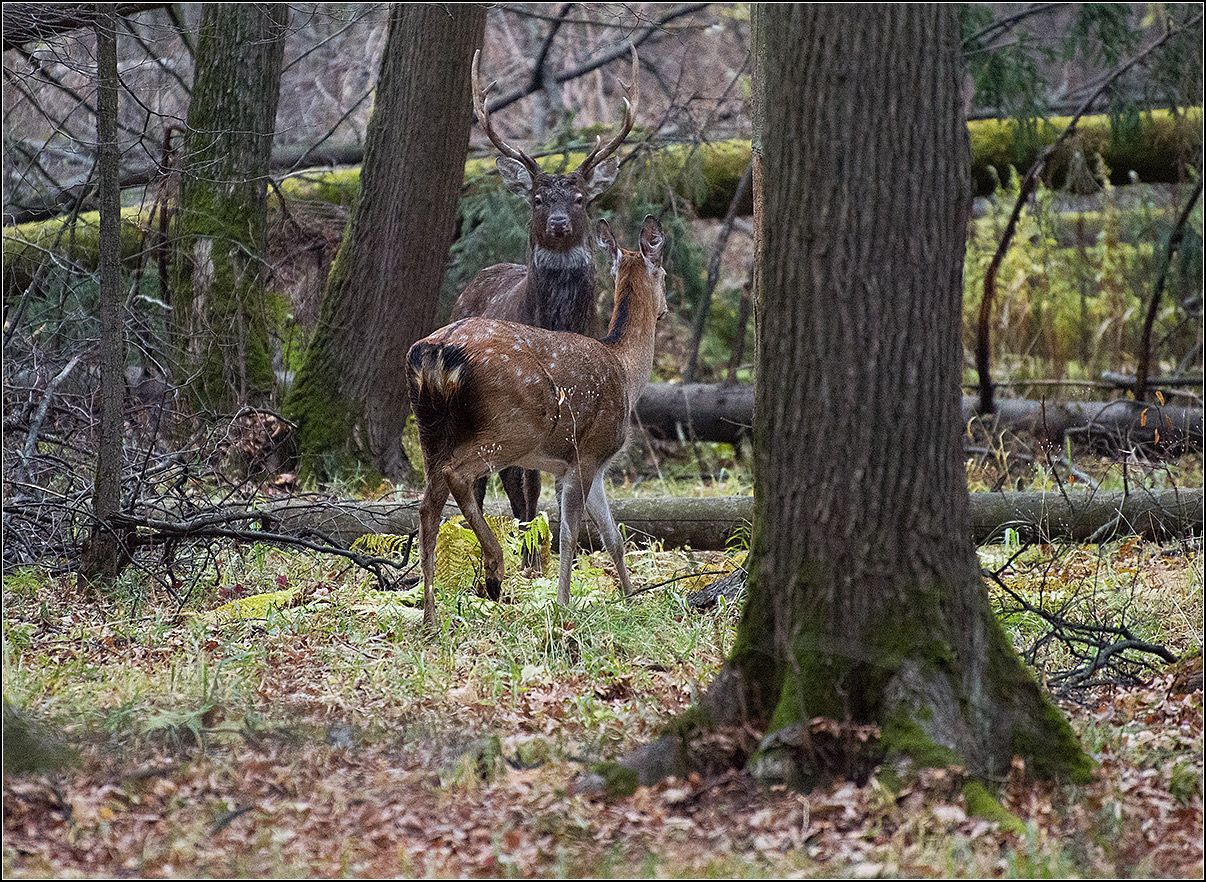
[(561, 290), (620, 314), (631, 333)]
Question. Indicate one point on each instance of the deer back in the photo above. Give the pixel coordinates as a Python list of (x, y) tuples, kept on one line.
[(512, 394), (497, 291)]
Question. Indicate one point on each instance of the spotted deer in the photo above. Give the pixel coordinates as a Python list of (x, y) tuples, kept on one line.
[(489, 394), (555, 289)]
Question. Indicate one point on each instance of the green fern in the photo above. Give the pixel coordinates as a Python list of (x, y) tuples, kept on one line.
[(459, 555), (537, 538), (739, 540), (382, 544)]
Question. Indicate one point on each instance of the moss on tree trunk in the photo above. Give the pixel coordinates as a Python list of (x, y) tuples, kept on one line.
[(221, 316), (349, 399)]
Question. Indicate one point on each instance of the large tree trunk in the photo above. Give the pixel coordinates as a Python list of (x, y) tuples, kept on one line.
[(350, 397), (865, 598), (220, 309), (105, 554)]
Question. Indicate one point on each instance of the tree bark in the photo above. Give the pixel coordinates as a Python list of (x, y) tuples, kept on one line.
[(865, 600), (220, 309), (350, 398), (104, 554)]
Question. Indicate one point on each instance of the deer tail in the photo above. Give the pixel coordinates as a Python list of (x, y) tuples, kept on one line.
[(438, 382)]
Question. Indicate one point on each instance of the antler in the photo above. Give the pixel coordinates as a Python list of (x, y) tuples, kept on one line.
[(632, 96), (483, 118)]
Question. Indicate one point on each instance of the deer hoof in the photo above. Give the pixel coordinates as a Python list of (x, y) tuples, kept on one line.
[(493, 588)]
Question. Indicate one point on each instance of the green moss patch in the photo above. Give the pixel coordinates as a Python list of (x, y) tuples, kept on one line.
[(981, 803)]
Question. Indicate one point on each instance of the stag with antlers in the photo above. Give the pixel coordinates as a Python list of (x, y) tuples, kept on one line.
[(555, 289)]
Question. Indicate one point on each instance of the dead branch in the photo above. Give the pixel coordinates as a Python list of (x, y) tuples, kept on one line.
[(1104, 653), (740, 195)]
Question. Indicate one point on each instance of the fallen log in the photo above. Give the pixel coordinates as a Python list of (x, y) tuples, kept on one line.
[(730, 587), (1119, 380), (707, 523), (1155, 154), (725, 412), (696, 411)]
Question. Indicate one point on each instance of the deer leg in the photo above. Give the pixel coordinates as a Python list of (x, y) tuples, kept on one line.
[(492, 553), (572, 502), (600, 512), (531, 492), (479, 490), (512, 481), (430, 510)]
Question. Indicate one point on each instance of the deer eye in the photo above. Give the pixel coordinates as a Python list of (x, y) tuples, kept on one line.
[(577, 199), (537, 199)]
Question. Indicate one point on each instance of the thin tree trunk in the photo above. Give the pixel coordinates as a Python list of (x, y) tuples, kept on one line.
[(865, 599), (104, 554), (350, 399), (740, 195), (220, 308), (1153, 308)]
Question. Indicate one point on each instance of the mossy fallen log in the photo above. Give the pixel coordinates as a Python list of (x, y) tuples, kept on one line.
[(707, 523), (722, 412), (1157, 148)]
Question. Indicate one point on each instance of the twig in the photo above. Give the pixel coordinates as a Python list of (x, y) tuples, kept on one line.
[(1106, 644), (1008, 22), (331, 131), (621, 50), (666, 582), (35, 427), (213, 526)]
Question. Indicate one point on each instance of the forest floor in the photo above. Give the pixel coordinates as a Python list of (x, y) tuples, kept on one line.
[(328, 736)]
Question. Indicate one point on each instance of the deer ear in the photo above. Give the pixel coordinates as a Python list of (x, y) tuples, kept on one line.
[(652, 240), (515, 177), (602, 176), (608, 243)]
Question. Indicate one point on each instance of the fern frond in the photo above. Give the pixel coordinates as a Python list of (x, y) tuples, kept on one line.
[(459, 555), (382, 544)]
